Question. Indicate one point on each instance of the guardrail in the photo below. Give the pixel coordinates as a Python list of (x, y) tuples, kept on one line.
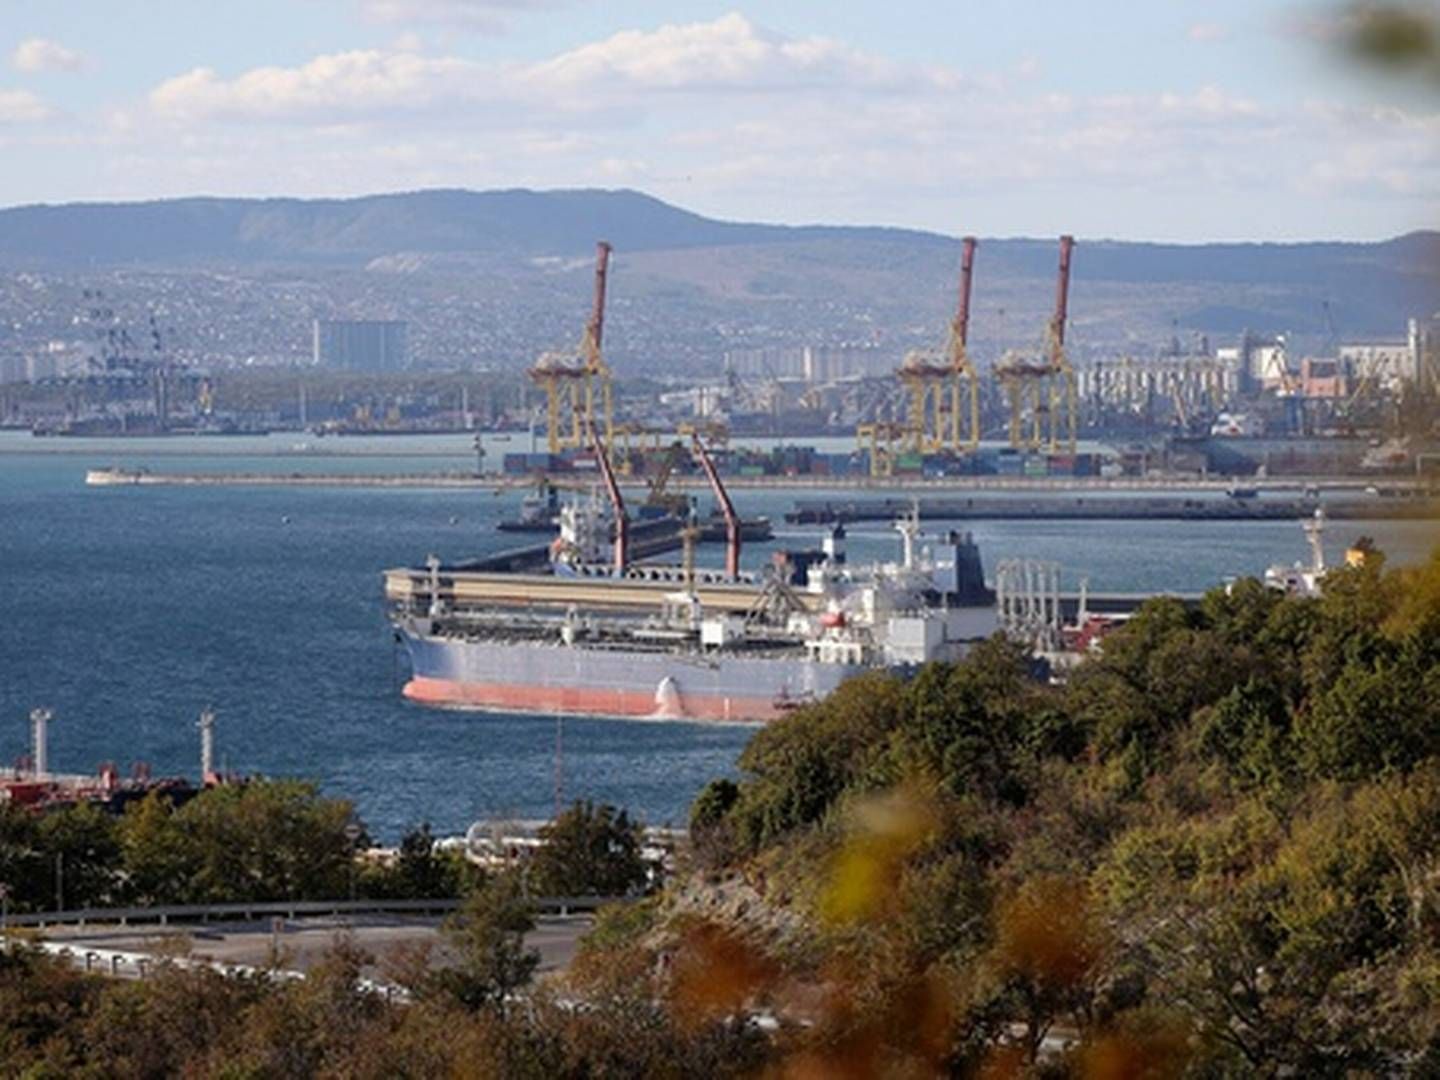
[(291, 909), (120, 964)]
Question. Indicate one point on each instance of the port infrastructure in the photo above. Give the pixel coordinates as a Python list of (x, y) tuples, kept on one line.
[(573, 381), (1041, 391), (937, 421)]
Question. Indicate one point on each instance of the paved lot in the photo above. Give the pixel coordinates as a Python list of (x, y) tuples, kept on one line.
[(302, 941)]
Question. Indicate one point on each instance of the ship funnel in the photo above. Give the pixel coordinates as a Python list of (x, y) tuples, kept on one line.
[(40, 741)]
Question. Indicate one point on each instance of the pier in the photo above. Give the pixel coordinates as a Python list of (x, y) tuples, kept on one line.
[(1137, 507), (128, 476)]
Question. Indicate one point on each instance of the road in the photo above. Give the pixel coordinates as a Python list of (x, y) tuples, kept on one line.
[(302, 941)]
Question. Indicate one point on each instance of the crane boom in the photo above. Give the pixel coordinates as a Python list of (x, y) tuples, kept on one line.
[(732, 520), (595, 328), (617, 501), (961, 327), (1062, 301)]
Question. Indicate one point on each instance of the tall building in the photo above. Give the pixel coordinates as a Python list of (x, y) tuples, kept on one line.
[(360, 345)]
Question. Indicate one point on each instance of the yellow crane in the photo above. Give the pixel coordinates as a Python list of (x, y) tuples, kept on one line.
[(570, 381), (1043, 391), (934, 423)]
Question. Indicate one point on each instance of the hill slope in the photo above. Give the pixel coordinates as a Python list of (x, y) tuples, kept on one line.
[(511, 264)]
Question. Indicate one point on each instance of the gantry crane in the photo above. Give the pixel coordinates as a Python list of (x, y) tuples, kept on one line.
[(962, 370), (933, 423), (1044, 389), (571, 381)]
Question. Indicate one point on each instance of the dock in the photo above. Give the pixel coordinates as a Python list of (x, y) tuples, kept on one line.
[(127, 476), (1140, 507)]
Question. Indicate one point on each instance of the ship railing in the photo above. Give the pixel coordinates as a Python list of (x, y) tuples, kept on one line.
[(291, 909)]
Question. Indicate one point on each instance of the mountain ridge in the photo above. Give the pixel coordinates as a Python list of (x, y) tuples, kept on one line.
[(511, 221), (492, 276)]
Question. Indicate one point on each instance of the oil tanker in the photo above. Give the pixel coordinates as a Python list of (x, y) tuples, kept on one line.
[(593, 633)]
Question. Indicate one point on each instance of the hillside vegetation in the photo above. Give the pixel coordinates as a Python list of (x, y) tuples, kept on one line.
[(1214, 848)]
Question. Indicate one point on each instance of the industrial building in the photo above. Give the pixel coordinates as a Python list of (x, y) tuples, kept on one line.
[(359, 345), (811, 363)]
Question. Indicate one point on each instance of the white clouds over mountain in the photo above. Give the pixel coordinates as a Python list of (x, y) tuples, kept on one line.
[(736, 119)]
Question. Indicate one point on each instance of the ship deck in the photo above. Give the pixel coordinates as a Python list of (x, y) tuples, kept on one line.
[(409, 588)]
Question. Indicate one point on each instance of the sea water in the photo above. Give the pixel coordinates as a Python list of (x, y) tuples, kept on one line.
[(128, 609)]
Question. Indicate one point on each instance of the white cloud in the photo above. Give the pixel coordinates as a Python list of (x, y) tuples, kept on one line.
[(485, 16), (23, 107), (1206, 32), (728, 117), (727, 52), (357, 82), (35, 55)]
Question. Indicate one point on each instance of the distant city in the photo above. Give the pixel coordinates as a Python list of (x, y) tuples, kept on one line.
[(763, 331)]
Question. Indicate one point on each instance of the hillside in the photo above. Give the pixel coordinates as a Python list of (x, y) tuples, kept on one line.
[(511, 268)]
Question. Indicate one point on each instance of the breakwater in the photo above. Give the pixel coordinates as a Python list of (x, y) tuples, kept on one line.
[(1138, 507)]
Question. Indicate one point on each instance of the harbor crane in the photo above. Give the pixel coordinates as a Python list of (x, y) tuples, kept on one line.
[(1042, 391), (617, 502), (572, 381), (727, 508), (933, 423)]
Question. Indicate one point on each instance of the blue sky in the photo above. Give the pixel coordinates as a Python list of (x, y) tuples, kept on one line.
[(1168, 120)]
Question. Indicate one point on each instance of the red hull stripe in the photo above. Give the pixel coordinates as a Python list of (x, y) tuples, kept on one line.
[(510, 697)]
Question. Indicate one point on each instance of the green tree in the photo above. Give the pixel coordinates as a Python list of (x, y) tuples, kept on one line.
[(485, 940), (589, 851), (22, 859), (267, 840), (1248, 730), (799, 768), (158, 862), (80, 844), (420, 872)]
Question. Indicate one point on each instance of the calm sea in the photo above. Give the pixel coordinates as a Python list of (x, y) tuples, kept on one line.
[(128, 609)]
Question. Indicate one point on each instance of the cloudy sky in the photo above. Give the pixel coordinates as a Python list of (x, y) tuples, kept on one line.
[(1168, 120)]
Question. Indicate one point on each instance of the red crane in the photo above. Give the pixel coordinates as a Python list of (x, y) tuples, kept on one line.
[(962, 311), (1062, 304), (595, 328), (732, 520), (960, 365), (617, 501)]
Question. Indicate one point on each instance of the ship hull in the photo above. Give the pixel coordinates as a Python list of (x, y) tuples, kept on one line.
[(534, 677)]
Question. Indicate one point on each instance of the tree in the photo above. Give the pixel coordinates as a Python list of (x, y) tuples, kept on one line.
[(79, 844), (267, 840), (486, 943), (22, 861), (419, 872), (158, 863), (800, 767), (1048, 954), (589, 850)]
